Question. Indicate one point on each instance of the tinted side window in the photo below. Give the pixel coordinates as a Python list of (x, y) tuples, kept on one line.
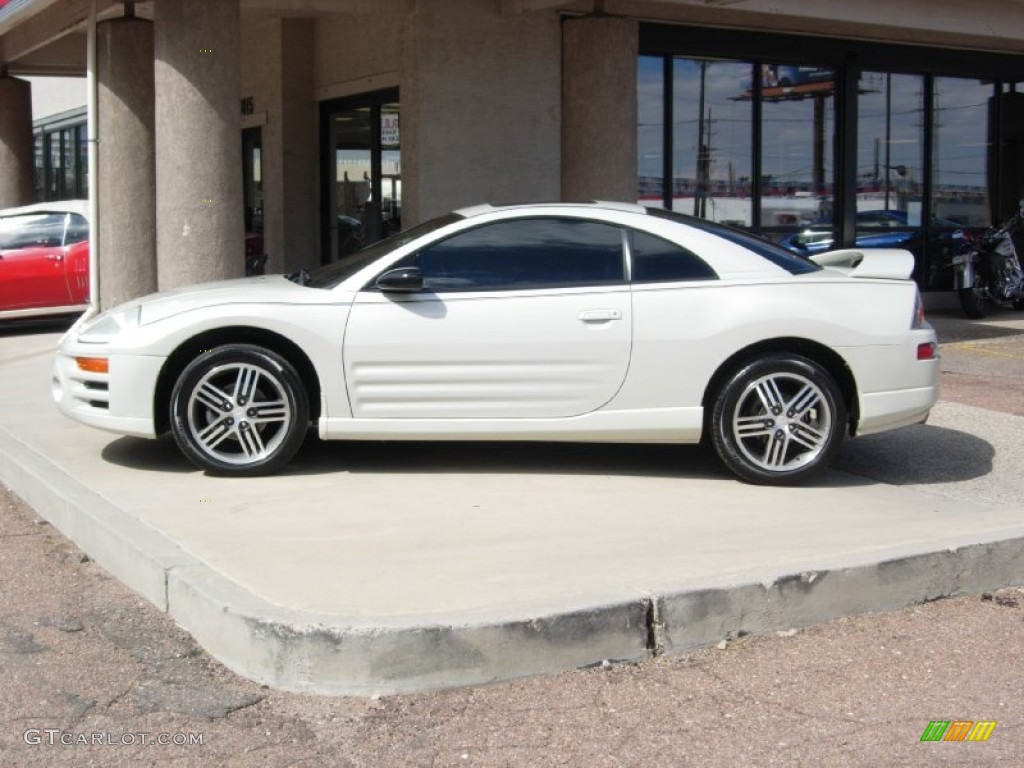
[(78, 230), (524, 254), (777, 255), (32, 231), (656, 260)]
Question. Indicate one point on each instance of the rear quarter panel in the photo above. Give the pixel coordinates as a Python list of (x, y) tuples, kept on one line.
[(683, 333)]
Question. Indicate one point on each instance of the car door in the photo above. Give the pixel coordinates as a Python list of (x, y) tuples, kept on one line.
[(521, 318), (76, 258), (32, 269)]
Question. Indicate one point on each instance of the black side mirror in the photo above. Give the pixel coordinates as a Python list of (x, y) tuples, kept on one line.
[(401, 280)]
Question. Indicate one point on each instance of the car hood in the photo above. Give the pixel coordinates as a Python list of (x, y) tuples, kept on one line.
[(263, 289)]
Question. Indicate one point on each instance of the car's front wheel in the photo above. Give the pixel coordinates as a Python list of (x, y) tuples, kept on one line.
[(240, 410), (778, 419)]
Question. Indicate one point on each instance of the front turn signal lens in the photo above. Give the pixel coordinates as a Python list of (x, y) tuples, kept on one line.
[(927, 351), (93, 364)]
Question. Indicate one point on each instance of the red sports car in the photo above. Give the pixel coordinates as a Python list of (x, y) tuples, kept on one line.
[(44, 259)]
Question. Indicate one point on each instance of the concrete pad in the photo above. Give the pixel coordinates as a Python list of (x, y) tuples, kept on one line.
[(376, 568)]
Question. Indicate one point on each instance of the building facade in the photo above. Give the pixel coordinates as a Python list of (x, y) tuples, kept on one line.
[(327, 124)]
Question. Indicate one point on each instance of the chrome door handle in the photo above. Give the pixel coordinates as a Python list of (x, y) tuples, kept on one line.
[(600, 315)]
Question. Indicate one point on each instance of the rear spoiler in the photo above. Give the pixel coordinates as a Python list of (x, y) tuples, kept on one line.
[(884, 263)]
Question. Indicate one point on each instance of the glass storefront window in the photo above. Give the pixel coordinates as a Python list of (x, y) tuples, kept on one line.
[(83, 162), (960, 151), (68, 159), (890, 160), (53, 174), (712, 128), (650, 161), (362, 172), (390, 170), (754, 143), (714, 163), (40, 165), (890, 149), (797, 143), (352, 181)]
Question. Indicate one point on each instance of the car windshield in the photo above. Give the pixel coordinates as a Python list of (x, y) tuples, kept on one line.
[(793, 263), (333, 274)]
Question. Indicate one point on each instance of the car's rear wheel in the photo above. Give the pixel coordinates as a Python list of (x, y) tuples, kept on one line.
[(240, 410), (778, 419)]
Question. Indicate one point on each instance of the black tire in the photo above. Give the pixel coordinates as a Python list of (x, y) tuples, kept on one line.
[(239, 410), (1018, 304), (778, 419), (975, 302)]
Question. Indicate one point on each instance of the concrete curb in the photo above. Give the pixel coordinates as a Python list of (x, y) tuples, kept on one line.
[(299, 651)]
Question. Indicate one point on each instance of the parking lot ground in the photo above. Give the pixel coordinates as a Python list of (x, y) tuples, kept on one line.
[(82, 656), (92, 675), (982, 361)]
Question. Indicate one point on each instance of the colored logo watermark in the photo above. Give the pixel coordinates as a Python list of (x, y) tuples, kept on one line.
[(958, 730)]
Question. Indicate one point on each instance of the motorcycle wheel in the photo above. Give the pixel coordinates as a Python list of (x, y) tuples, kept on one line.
[(974, 304), (1018, 304)]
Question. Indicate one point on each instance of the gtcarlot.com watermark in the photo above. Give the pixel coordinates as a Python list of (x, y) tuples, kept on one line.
[(52, 737)]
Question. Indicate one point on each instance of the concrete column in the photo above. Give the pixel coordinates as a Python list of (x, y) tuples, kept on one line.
[(599, 58), (127, 191), (480, 107), (277, 74), (17, 170), (200, 234)]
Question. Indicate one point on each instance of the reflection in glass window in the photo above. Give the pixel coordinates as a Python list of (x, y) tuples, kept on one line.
[(82, 190), (391, 170), (54, 175), (712, 125), (36, 230), (960, 151), (890, 160), (890, 149), (68, 161), (77, 230), (650, 130), (525, 254), (798, 137), (40, 167)]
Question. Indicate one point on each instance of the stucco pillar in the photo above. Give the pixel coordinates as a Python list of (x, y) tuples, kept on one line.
[(199, 205), (17, 174), (126, 184), (480, 102), (599, 59)]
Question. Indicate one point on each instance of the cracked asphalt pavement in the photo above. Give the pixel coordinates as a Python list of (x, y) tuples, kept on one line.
[(92, 675)]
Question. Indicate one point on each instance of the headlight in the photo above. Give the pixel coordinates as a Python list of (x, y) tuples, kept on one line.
[(109, 325)]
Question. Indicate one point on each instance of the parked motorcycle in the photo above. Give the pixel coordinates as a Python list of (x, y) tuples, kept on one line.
[(988, 269)]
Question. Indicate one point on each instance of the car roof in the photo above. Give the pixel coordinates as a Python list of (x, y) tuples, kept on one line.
[(81, 207), (597, 205)]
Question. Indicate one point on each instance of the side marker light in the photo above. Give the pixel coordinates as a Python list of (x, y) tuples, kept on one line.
[(93, 364)]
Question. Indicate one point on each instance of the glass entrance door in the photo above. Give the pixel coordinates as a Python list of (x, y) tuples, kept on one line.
[(362, 172)]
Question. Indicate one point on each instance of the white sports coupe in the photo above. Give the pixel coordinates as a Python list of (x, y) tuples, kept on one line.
[(594, 322)]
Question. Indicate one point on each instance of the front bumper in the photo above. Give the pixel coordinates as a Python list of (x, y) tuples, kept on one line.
[(121, 400)]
